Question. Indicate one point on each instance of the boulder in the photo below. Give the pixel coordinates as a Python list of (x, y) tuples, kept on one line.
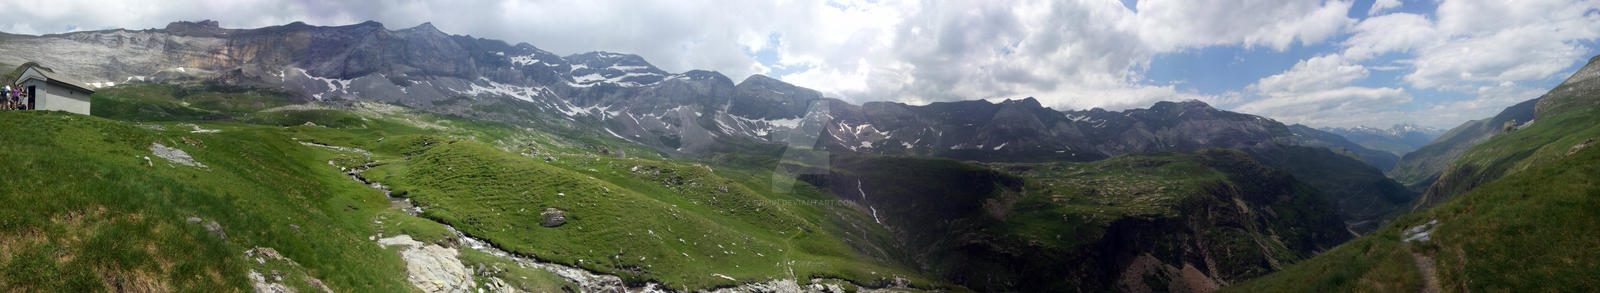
[(553, 217), (216, 228), (1579, 147)]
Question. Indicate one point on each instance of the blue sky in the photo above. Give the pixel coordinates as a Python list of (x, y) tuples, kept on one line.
[(1337, 63)]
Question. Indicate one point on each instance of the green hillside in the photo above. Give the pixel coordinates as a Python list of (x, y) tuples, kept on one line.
[(645, 220), (1526, 200), (85, 210), (1420, 168)]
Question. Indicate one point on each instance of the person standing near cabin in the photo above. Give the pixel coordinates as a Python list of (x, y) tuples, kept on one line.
[(17, 94), (10, 100)]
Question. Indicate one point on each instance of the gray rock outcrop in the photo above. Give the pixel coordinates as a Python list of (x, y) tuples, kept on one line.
[(432, 268), (553, 217)]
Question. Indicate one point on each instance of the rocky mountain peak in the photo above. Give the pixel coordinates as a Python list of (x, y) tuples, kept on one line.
[(425, 26), (761, 96), (196, 28), (762, 79), (698, 74), (195, 24), (369, 24), (1182, 105), (1028, 102)]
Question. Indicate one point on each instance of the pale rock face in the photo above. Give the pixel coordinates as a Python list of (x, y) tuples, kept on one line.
[(174, 155), (264, 285), (432, 268)]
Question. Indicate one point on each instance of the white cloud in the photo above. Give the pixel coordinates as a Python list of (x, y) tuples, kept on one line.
[(1343, 106), (1512, 54), (1395, 32), (1484, 50), (1489, 100), (1069, 54), (1316, 74), (1176, 24), (1318, 91), (1488, 42), (1381, 5)]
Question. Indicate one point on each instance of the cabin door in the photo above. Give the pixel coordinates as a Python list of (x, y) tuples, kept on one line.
[(31, 96)]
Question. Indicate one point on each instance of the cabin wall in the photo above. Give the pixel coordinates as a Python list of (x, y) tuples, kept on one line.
[(53, 97)]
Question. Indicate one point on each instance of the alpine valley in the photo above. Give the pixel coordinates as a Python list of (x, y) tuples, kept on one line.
[(359, 158)]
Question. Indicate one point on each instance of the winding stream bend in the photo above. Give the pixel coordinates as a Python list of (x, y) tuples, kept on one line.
[(587, 281)]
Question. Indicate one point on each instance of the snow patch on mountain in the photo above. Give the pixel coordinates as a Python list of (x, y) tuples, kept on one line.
[(588, 78), (484, 86), (528, 60), (334, 85), (626, 68)]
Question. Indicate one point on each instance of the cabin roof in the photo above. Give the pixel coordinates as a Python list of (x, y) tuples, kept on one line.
[(53, 78)]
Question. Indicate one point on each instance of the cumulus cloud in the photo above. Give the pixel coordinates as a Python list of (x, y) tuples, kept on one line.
[(1487, 101), (1174, 24), (1342, 106), (1397, 32), (1485, 42), (1316, 74), (1318, 91), (1511, 54), (1380, 6), (1070, 54), (1481, 54)]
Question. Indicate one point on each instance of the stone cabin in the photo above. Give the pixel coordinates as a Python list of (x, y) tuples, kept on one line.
[(48, 90)]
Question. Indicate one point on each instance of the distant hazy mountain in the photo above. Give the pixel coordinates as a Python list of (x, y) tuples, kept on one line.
[(1398, 140), (1308, 136), (1420, 168)]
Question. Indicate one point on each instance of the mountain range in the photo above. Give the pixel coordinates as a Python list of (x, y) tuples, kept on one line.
[(630, 99), (981, 195), (689, 113), (1398, 139)]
